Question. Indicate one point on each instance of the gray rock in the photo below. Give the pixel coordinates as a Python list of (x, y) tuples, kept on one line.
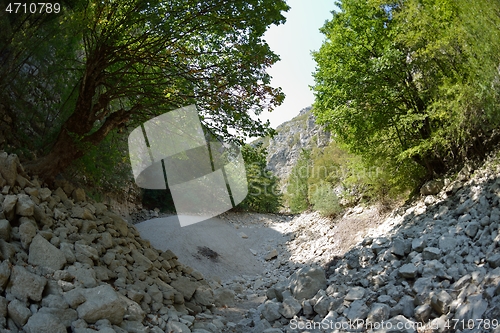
[(473, 308), (398, 247), (44, 323), (224, 297), (272, 254), (271, 311), (64, 316), (493, 260), (423, 313), (25, 206), (177, 327), (9, 167), (101, 303), (26, 285), (432, 187), (4, 273), (378, 313), (430, 253), (355, 293), (418, 244), (447, 244), (472, 229), (42, 253), (204, 295), (322, 305), (441, 301), (5, 230), (407, 306), (408, 271), (18, 312), (306, 282), (358, 311), (185, 286), (290, 307), (399, 324), (27, 230)]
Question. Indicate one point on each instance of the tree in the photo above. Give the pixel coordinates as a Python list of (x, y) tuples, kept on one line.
[(138, 59), (263, 193), (392, 77)]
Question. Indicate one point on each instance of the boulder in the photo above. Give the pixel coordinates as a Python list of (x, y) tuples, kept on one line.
[(306, 282), (43, 253), (101, 302), (26, 285)]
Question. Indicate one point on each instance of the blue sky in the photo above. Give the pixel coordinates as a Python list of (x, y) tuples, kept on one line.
[(293, 42)]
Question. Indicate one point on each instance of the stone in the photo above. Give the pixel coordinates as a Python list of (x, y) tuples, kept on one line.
[(358, 310), (18, 312), (423, 313), (355, 293), (44, 323), (5, 230), (493, 260), (9, 205), (101, 302), (271, 255), (472, 229), (185, 286), (430, 253), (440, 302), (4, 274), (306, 282), (43, 253), (242, 235), (290, 307), (322, 305), (27, 231), (447, 244), (398, 247), (224, 297), (271, 311), (379, 312), (408, 271), (418, 244), (25, 206), (432, 187), (64, 316), (26, 285), (9, 167), (78, 195), (204, 295), (177, 327)]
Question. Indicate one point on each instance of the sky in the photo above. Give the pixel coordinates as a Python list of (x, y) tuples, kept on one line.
[(293, 42)]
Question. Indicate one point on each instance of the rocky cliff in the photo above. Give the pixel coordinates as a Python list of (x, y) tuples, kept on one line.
[(292, 136)]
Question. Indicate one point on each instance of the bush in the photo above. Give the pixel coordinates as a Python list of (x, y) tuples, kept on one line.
[(324, 200)]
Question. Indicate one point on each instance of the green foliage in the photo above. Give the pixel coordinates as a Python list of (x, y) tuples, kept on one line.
[(297, 190), (263, 192), (411, 86), (324, 200)]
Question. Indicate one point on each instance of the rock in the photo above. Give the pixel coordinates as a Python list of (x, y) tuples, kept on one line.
[(177, 327), (224, 297), (430, 253), (242, 235), (447, 244), (64, 316), (204, 295), (440, 302), (290, 307), (306, 282), (27, 231), (42, 253), (423, 312), (322, 305), (44, 323), (472, 229), (432, 187), (493, 260), (78, 195), (8, 206), (4, 273), (398, 247), (355, 293), (18, 312), (408, 271), (185, 286), (358, 310), (5, 230), (101, 302), (378, 313), (24, 206), (271, 311), (9, 167), (26, 285), (272, 254), (418, 244)]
